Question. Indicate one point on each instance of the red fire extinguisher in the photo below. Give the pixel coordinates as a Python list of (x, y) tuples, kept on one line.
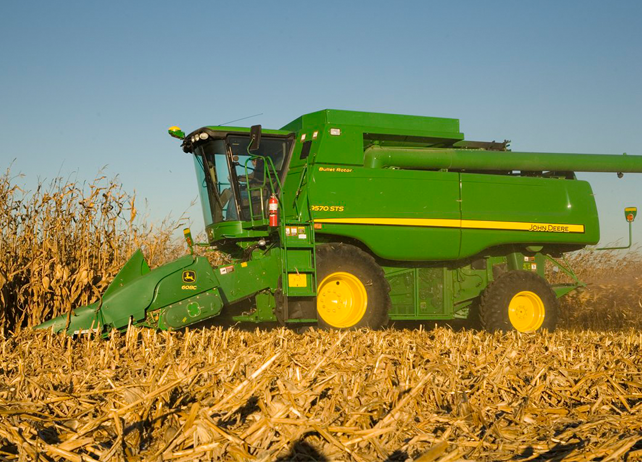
[(273, 210)]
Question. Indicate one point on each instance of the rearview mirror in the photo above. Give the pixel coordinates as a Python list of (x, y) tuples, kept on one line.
[(255, 138)]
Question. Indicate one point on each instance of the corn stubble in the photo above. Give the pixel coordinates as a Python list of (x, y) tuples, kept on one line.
[(228, 394)]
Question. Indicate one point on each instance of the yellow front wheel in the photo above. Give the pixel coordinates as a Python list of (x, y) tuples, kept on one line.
[(341, 300), (353, 291), (521, 301)]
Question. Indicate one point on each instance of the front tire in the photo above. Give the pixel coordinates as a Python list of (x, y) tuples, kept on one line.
[(521, 301), (352, 291)]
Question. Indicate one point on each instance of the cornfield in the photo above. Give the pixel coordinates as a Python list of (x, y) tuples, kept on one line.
[(227, 394), (62, 244), (612, 298)]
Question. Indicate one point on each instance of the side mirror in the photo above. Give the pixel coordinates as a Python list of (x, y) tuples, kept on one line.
[(255, 138)]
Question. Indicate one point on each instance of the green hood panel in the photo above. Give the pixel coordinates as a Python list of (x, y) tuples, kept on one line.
[(136, 266), (81, 321)]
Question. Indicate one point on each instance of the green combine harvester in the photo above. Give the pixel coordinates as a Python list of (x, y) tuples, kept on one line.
[(348, 219)]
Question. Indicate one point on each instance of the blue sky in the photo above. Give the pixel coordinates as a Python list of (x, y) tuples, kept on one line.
[(89, 84)]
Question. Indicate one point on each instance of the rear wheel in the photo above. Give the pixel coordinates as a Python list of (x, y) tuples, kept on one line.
[(352, 291), (521, 301)]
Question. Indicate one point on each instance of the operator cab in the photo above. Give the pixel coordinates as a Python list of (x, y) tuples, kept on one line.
[(236, 173)]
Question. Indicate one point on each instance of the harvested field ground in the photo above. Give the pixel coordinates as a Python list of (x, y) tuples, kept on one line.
[(278, 395)]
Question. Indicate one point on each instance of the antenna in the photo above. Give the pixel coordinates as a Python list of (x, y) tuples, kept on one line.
[(242, 118)]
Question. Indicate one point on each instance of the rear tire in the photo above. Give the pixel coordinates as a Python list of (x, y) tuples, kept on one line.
[(352, 290), (520, 301)]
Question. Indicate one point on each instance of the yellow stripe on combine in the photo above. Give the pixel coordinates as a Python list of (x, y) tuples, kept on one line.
[(430, 222), (454, 223)]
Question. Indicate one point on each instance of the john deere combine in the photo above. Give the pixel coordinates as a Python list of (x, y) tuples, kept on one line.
[(351, 219)]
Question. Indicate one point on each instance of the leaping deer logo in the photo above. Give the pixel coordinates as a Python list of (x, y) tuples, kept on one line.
[(189, 276)]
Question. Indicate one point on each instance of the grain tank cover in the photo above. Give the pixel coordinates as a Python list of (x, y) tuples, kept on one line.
[(374, 122), (343, 135), (377, 122)]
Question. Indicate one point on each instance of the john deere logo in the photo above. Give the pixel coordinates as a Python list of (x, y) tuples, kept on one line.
[(189, 276)]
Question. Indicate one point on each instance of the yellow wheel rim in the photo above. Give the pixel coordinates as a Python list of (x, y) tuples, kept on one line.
[(341, 300), (526, 311)]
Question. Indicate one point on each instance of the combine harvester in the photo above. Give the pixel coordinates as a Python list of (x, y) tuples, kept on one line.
[(351, 219)]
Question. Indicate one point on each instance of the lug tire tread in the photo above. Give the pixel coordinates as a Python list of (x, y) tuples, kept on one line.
[(341, 257), (493, 306)]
